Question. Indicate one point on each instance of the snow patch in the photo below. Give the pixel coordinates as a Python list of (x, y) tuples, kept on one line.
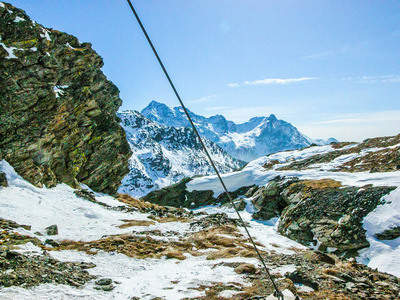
[(18, 19), (45, 34), (383, 254), (58, 90), (10, 50)]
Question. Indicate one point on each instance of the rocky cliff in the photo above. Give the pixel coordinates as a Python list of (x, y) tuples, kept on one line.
[(58, 110)]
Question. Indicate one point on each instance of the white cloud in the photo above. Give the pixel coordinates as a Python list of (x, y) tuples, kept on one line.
[(204, 99), (278, 81), (232, 85), (269, 81)]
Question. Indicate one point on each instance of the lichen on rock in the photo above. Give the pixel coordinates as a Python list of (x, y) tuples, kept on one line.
[(58, 110)]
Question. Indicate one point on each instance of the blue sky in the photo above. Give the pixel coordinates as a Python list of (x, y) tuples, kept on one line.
[(331, 68)]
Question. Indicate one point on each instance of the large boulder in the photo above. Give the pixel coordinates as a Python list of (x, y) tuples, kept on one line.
[(58, 110), (268, 200), (176, 195), (328, 215)]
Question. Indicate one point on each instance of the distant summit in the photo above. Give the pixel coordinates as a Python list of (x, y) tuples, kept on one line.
[(257, 137), (163, 155)]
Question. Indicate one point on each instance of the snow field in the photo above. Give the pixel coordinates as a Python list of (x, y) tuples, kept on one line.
[(79, 219)]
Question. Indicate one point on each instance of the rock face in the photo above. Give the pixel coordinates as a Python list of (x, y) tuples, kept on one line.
[(319, 213), (176, 195), (165, 155), (58, 110)]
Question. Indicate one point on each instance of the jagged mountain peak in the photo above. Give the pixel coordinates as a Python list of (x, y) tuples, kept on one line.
[(247, 141)]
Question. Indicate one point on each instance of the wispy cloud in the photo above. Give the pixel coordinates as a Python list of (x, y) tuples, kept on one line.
[(232, 85), (272, 81), (278, 81), (373, 79), (210, 98)]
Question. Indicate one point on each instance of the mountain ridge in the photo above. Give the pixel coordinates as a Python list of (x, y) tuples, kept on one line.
[(247, 141)]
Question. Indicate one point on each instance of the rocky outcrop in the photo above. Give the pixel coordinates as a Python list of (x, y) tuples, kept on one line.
[(389, 234), (268, 201), (58, 110), (176, 195), (319, 213)]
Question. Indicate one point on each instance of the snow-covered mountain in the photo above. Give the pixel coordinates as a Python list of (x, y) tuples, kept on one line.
[(163, 155), (257, 137)]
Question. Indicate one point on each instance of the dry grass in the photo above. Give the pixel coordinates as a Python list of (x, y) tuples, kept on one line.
[(226, 240), (137, 203), (170, 218), (130, 223)]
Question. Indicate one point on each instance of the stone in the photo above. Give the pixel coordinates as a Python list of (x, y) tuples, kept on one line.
[(3, 180), (104, 281), (389, 234), (302, 278), (318, 256), (239, 204), (245, 269), (106, 288), (52, 243), (52, 230)]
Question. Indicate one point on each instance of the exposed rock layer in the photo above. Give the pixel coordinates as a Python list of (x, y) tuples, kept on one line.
[(58, 110), (322, 213)]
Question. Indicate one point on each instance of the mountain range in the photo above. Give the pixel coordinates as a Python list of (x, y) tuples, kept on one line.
[(248, 141), (163, 155)]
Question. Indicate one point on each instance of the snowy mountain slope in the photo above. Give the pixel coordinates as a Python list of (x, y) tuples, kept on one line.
[(382, 254), (164, 155), (147, 278), (248, 141), (208, 267)]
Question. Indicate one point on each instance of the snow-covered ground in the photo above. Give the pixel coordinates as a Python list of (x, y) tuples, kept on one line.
[(383, 255), (80, 220)]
